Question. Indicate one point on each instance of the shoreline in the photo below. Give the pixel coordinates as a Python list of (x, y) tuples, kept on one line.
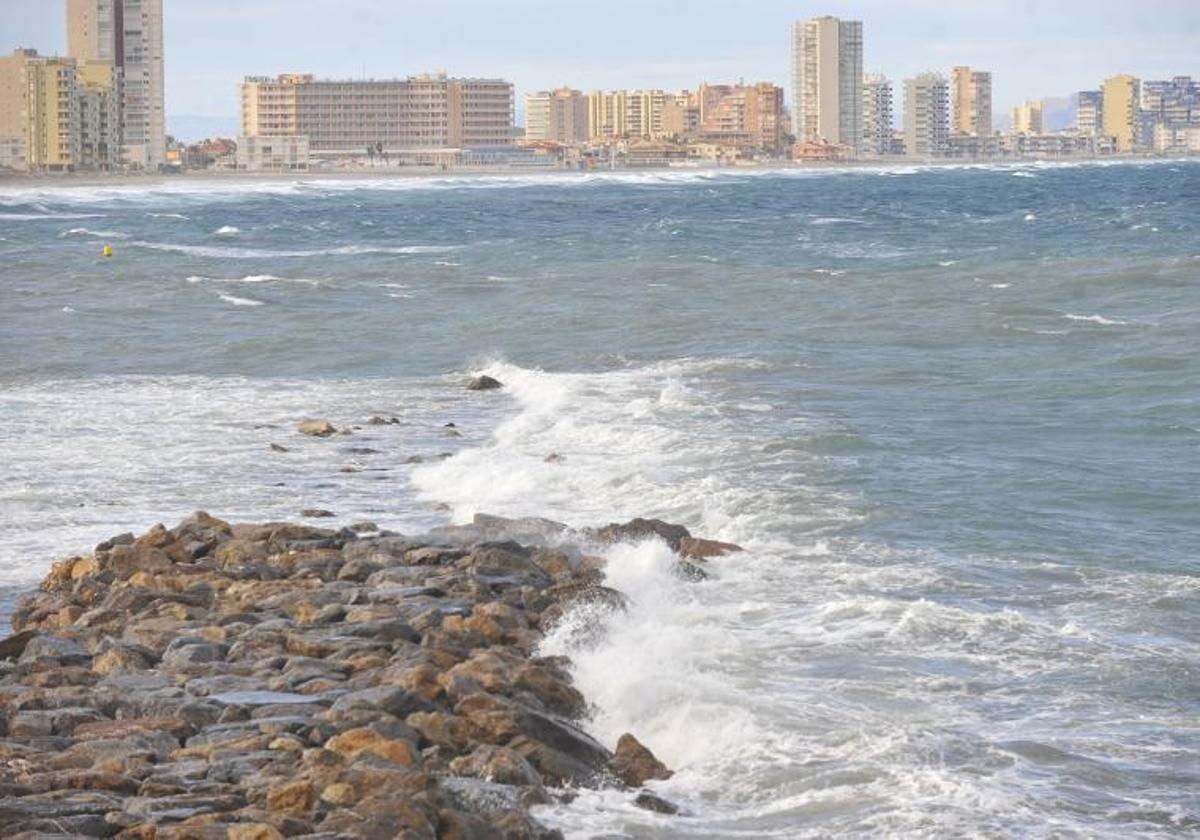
[(137, 179), (247, 681)]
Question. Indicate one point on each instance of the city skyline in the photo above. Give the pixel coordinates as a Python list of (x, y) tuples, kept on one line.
[(1036, 53)]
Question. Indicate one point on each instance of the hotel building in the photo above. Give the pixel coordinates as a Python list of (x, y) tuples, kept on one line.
[(420, 113), (926, 115), (827, 78), (971, 91), (129, 35)]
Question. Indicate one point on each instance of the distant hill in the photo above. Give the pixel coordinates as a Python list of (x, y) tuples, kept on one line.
[(190, 128)]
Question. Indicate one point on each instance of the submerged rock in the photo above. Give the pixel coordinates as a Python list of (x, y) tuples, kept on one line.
[(316, 428)]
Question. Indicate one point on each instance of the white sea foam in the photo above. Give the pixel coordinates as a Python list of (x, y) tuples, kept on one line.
[(1001, 285), (47, 217), (169, 216), (947, 263), (240, 301), (1030, 217), (834, 220), (1096, 319), (253, 278), (227, 230), (98, 234), (1021, 173)]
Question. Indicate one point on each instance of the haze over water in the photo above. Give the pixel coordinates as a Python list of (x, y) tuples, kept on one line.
[(953, 414)]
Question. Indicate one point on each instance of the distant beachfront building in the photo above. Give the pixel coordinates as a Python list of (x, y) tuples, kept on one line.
[(877, 115), (971, 91), (272, 154), (627, 114), (129, 35), (58, 114), (827, 79), (394, 116), (747, 117), (926, 115), (1122, 117), (1089, 113), (1177, 139), (557, 116), (1027, 117), (1175, 102)]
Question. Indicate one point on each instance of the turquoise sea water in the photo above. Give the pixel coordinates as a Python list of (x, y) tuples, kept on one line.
[(953, 413)]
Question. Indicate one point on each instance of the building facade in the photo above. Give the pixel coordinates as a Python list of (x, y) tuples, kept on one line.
[(556, 116), (1175, 102), (926, 115), (1089, 113), (628, 114), (877, 115), (349, 117), (1027, 118), (98, 100), (287, 153), (827, 78), (971, 91), (129, 35), (1122, 118)]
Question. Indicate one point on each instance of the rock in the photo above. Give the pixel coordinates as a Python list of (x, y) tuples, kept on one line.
[(53, 649), (698, 549), (640, 529), (339, 795), (317, 513), (484, 383), (497, 764), (689, 571), (554, 458), (657, 804), (356, 742), (294, 797), (253, 831), (316, 428), (275, 447), (14, 646), (395, 701), (383, 421), (635, 765)]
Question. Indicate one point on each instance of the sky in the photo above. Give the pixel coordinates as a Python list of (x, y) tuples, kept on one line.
[(1034, 48)]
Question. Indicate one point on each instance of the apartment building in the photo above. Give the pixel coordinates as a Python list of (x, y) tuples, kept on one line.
[(926, 115), (827, 78), (1122, 117), (1174, 102), (877, 115), (1089, 113), (556, 116), (1027, 117), (628, 114), (341, 117), (129, 35), (971, 92)]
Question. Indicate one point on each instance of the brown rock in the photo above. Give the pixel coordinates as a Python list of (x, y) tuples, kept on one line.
[(340, 794), (290, 797), (496, 764), (635, 765), (698, 549), (484, 383), (253, 831), (355, 742), (316, 428)]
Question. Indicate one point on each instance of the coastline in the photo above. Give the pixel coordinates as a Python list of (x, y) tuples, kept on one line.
[(150, 180), (237, 681)]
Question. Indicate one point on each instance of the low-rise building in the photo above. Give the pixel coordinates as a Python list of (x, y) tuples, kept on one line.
[(1177, 139), (1057, 145), (973, 147), (279, 153)]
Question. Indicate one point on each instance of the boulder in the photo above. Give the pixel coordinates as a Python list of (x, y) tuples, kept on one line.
[(316, 428), (484, 383), (697, 549), (635, 765), (641, 529)]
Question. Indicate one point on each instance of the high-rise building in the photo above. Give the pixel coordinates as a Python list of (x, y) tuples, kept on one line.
[(1122, 111), (627, 113), (827, 76), (418, 113), (1175, 102), (558, 116), (1089, 113), (971, 91), (1027, 117), (878, 106), (926, 115), (129, 34), (98, 91)]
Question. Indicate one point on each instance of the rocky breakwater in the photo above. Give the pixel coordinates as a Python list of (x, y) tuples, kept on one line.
[(280, 680)]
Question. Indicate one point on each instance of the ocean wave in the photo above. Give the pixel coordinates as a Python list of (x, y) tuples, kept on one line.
[(261, 253), (240, 301), (227, 230), (99, 234), (253, 278), (47, 217), (1096, 319)]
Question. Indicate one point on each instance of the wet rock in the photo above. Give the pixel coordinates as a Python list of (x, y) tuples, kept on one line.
[(649, 802), (275, 447), (554, 458), (641, 529), (383, 421), (497, 764), (317, 513), (14, 646), (698, 549), (316, 428), (635, 765), (483, 383)]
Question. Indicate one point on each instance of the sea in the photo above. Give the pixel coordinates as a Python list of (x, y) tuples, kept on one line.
[(951, 413)]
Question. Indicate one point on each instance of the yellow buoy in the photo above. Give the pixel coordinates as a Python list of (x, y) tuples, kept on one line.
[(106, 251)]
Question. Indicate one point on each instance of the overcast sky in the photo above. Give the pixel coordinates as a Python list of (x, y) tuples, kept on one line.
[(1034, 49)]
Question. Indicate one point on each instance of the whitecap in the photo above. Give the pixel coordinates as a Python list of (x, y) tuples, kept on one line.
[(253, 278), (47, 217), (259, 253), (834, 220), (68, 309), (1096, 319), (240, 301), (447, 263), (1030, 217), (1001, 285), (947, 263), (227, 230), (1023, 174), (169, 216), (99, 234)]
